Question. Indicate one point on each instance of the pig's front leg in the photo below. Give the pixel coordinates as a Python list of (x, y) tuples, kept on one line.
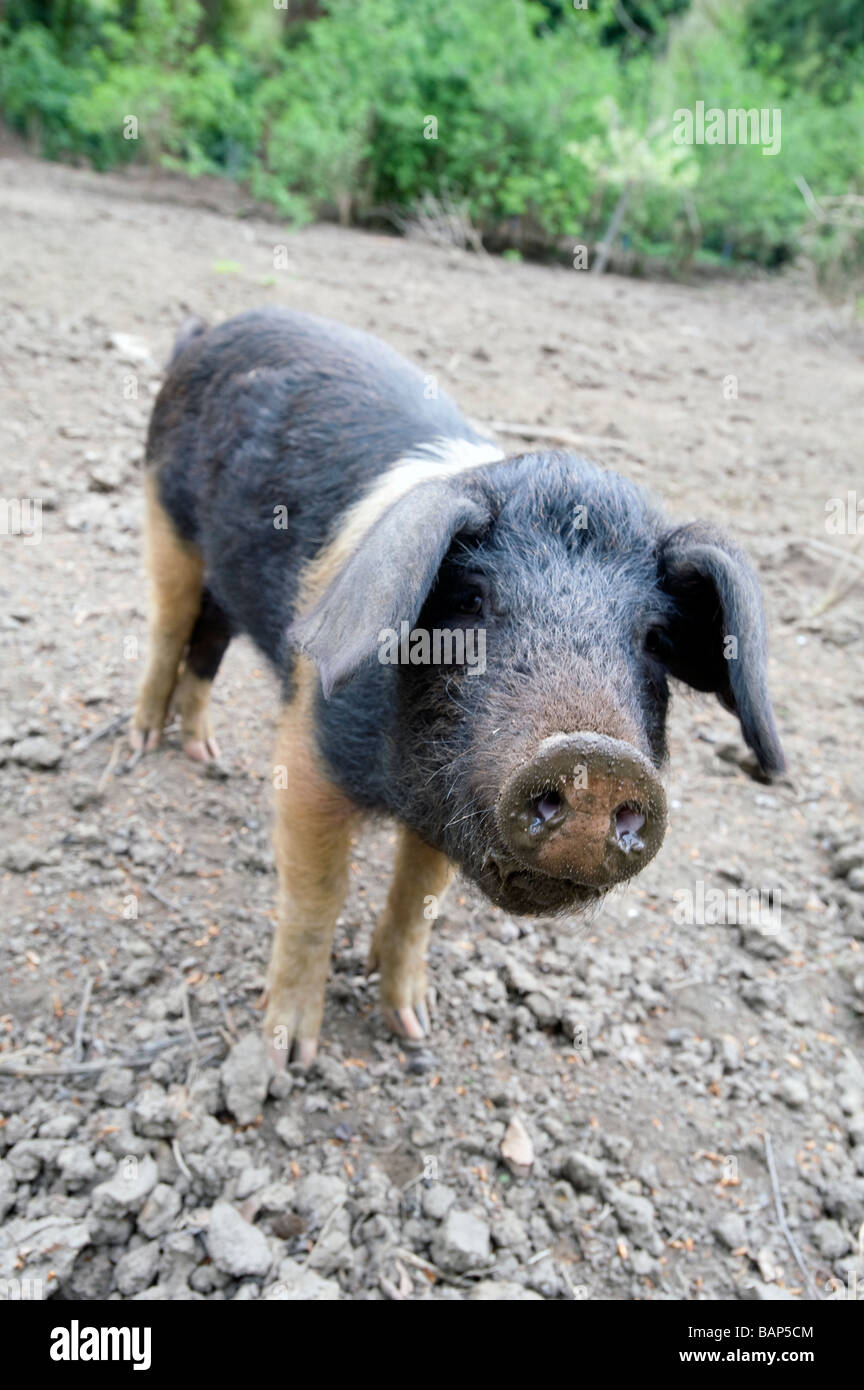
[(398, 949), (312, 838)]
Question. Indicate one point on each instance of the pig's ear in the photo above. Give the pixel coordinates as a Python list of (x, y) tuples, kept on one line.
[(715, 637), (386, 579)]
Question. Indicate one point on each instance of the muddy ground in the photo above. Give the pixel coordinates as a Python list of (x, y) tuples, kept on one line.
[(648, 1058)]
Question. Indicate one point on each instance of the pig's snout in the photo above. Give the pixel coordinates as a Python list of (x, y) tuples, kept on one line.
[(586, 808)]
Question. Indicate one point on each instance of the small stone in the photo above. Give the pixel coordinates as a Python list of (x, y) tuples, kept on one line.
[(419, 1062), (160, 1211), (793, 1091), (245, 1077), (36, 1249), (831, 1240), (331, 1073), (290, 1131), (643, 1263), (767, 1264), (140, 972), (277, 1199), (731, 1231), (436, 1200), (250, 1180), (37, 752), (520, 979), (544, 1009), (676, 1036), (462, 1243), (59, 1126), (130, 348), (128, 1190), (517, 1149), (27, 1158), (636, 1215), (508, 1231), (154, 1115), (730, 1053), (583, 1172), (110, 1230), (107, 475), (91, 1279), (317, 1195), (333, 1250), (116, 1086), (845, 1200), (21, 857), (136, 1270), (76, 1166), (236, 1247)]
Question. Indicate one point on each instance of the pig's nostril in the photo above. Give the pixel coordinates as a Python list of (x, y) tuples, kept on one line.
[(629, 820), (547, 805), (545, 808)]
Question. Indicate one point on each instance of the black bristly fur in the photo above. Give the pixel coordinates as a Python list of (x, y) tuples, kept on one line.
[(280, 409)]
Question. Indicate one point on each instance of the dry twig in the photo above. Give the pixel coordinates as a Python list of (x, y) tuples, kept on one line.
[(556, 433), (782, 1222), (78, 1041), (15, 1063), (101, 731)]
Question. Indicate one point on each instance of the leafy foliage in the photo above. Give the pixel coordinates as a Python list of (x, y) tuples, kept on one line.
[(535, 118)]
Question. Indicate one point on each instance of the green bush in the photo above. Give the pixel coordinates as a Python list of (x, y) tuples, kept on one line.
[(524, 114)]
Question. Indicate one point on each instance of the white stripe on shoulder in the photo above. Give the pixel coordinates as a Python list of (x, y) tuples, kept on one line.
[(440, 457)]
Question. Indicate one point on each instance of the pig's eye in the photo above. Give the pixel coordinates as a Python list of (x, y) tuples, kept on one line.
[(468, 603), (657, 643), (461, 598)]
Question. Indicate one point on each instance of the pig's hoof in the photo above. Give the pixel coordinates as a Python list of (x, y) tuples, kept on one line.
[(291, 1033), (301, 1050), (202, 750), (410, 1023), (402, 988), (192, 702), (141, 741)]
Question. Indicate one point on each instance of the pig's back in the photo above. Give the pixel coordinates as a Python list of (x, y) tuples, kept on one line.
[(266, 431)]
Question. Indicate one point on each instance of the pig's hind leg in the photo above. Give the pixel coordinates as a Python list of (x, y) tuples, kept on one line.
[(398, 950), (176, 572), (207, 646)]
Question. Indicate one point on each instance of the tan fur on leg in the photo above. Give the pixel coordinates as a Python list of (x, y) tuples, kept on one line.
[(192, 698), (176, 572), (399, 943), (314, 821)]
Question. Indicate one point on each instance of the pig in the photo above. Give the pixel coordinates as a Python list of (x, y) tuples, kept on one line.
[(479, 647)]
